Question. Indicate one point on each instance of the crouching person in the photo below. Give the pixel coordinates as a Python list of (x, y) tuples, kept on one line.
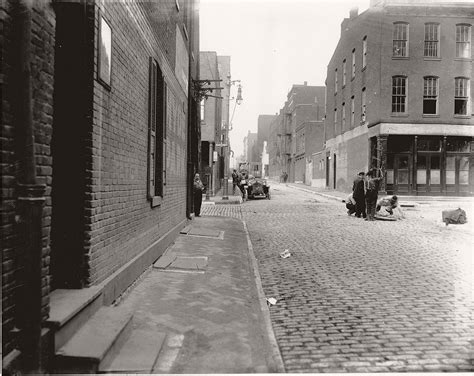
[(350, 204), (389, 207)]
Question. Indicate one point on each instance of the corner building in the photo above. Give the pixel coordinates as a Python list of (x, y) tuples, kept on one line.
[(400, 97)]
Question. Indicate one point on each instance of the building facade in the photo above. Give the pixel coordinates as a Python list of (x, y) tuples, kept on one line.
[(400, 98), (290, 148), (99, 145), (251, 156), (263, 133), (212, 162)]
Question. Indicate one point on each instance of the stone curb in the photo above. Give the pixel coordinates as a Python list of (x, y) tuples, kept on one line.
[(275, 350)]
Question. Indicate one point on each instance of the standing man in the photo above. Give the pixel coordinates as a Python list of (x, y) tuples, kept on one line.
[(235, 180), (198, 188), (358, 193), (372, 185)]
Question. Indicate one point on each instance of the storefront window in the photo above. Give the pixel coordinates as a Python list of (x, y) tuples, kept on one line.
[(464, 171), (450, 170), (403, 170), (429, 144), (421, 170), (435, 173), (399, 144), (458, 144)]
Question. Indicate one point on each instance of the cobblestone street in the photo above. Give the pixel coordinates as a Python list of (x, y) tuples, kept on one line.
[(359, 296)]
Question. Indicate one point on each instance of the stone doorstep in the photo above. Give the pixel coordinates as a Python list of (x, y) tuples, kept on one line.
[(67, 303), (137, 355), (96, 340)]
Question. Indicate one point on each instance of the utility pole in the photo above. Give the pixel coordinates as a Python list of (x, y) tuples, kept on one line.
[(226, 146)]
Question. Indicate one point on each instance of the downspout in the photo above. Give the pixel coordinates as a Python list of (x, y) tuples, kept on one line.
[(29, 206)]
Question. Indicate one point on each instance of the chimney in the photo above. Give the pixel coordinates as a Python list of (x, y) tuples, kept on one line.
[(306, 83), (353, 13)]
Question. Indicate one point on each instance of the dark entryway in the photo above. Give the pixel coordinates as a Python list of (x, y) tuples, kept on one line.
[(72, 120)]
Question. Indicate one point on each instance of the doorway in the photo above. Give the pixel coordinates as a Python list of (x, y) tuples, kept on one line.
[(334, 169), (399, 174), (72, 114), (428, 173)]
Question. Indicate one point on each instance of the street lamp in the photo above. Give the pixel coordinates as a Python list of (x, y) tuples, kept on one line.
[(226, 148)]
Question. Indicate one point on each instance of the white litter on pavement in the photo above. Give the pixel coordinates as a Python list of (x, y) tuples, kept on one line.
[(285, 254), (271, 301)]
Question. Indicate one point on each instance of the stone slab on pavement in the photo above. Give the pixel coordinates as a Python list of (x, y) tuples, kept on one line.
[(138, 354), (217, 313)]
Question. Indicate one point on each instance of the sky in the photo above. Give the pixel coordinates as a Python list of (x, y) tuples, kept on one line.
[(273, 44)]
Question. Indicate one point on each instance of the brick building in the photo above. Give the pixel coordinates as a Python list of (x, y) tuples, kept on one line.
[(251, 158), (399, 97), (100, 141), (263, 132), (291, 142), (211, 122)]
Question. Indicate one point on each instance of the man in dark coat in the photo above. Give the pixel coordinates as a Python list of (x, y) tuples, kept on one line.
[(358, 193), (372, 186)]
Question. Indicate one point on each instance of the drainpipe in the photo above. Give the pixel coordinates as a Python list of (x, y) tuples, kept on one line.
[(29, 205)]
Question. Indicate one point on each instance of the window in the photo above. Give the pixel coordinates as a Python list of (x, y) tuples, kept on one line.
[(399, 94), (335, 81), (352, 111), (353, 63), (430, 96), (335, 120), (344, 73), (400, 39), (364, 52), (343, 115), (156, 134), (363, 107), (461, 95), (463, 41), (431, 40)]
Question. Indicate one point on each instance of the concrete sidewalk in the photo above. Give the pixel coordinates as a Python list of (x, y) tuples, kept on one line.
[(204, 298)]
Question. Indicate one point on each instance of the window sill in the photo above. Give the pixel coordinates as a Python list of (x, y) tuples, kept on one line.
[(156, 201), (462, 116), (462, 59), (430, 115), (399, 114), (400, 57), (431, 58)]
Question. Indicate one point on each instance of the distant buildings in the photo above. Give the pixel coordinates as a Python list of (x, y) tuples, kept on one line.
[(252, 160), (293, 133), (400, 98)]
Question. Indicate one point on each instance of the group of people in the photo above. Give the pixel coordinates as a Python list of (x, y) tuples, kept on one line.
[(363, 200), (199, 188), (237, 181)]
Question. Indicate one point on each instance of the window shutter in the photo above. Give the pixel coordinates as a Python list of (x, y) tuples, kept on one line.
[(152, 128)]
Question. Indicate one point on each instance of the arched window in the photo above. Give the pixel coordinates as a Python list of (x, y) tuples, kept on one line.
[(364, 52)]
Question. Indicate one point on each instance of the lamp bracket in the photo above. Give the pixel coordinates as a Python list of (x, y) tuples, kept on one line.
[(202, 91)]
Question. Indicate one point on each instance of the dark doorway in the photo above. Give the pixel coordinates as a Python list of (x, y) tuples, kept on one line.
[(72, 121), (334, 167)]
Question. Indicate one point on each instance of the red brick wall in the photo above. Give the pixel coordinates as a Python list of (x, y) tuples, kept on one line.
[(121, 222), (42, 48)]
